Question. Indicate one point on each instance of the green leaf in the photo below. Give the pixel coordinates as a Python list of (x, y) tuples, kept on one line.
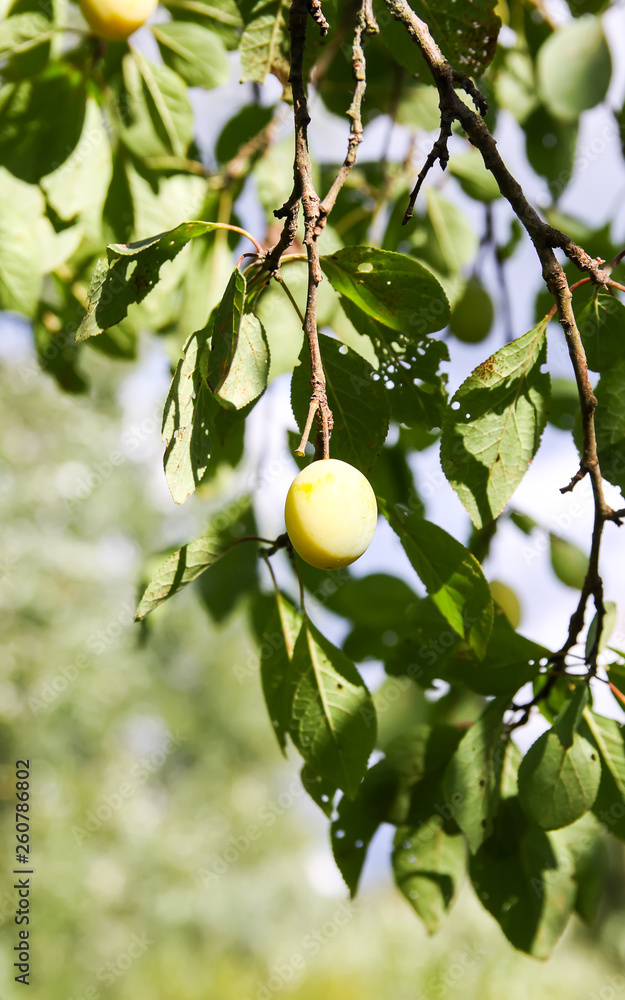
[(609, 806), (411, 364), (473, 313), (610, 424), (235, 578), (332, 722), (265, 43), (550, 145), (588, 849), (320, 790), (221, 16), (564, 404), (358, 819), (187, 419), (245, 125), (153, 114), (530, 889), (41, 121), (25, 44), (359, 404), (21, 253), (186, 563), (523, 522), (453, 242), (238, 364), (560, 773), (510, 661), (129, 272), (452, 576), (371, 601), (609, 621), (193, 52), (580, 44), (524, 877), (466, 32), (471, 784), (428, 865), (276, 652), (602, 328), (475, 180), (82, 180), (607, 736), (391, 287), (569, 563), (493, 427)]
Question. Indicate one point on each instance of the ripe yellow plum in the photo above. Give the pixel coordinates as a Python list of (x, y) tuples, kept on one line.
[(115, 20), (330, 514)]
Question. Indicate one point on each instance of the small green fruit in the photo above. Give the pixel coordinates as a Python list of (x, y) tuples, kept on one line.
[(473, 314), (507, 600)]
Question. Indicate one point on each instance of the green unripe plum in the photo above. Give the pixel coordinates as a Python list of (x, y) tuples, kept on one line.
[(116, 20), (505, 597), (472, 316), (330, 514)]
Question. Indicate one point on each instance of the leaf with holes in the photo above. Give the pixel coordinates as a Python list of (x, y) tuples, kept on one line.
[(265, 43), (390, 287), (466, 32), (428, 866), (321, 791), (129, 272), (188, 417), (188, 562), (332, 714), (494, 424), (359, 404), (560, 773), (472, 778), (452, 576), (358, 819), (411, 365), (238, 363)]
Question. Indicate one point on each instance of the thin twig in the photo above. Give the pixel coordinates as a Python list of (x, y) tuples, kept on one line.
[(365, 23), (285, 288), (302, 172)]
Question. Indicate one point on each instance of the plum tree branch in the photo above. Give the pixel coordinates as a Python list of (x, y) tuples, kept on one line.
[(545, 239), (314, 210)]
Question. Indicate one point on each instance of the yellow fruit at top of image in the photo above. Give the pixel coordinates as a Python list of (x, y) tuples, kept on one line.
[(330, 514), (116, 20)]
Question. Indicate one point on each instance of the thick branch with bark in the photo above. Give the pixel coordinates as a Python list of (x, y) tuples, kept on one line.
[(545, 239)]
